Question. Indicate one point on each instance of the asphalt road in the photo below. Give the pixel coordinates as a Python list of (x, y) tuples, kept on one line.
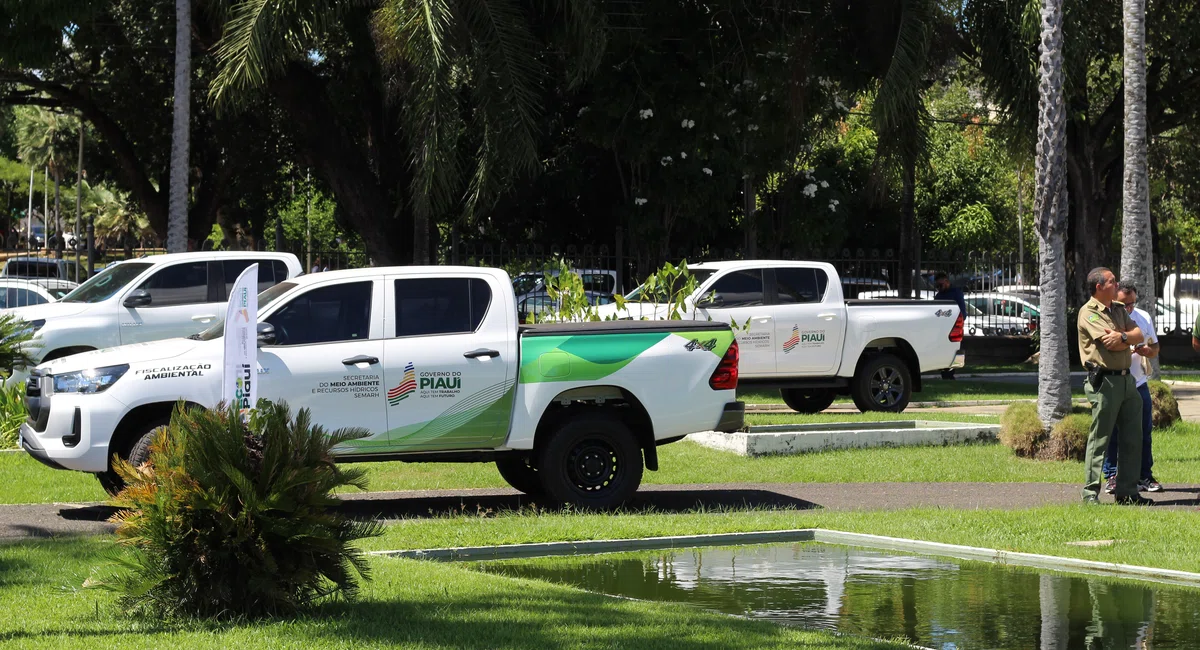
[(19, 522)]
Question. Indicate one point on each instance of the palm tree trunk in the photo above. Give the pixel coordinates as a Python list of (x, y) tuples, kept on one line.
[(177, 217), (58, 233), (908, 222), (1137, 251), (1050, 212)]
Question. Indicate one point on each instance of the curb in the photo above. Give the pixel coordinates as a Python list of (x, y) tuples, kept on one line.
[(995, 556)]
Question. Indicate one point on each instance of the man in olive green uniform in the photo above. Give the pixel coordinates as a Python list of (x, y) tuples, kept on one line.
[(1106, 333)]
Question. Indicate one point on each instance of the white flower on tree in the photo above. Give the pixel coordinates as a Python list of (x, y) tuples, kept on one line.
[(833, 204), (687, 124), (824, 184), (583, 110), (810, 190), (666, 160), (646, 113), (706, 170), (683, 155), (640, 201)]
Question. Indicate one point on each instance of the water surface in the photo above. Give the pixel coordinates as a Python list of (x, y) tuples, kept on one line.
[(933, 602)]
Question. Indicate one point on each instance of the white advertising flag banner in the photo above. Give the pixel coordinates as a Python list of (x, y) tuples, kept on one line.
[(239, 385)]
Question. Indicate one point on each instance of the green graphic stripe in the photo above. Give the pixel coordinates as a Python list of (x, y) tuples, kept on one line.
[(582, 357), (479, 421), (723, 338)]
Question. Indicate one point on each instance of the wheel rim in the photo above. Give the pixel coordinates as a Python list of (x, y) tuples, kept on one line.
[(593, 466), (887, 386)]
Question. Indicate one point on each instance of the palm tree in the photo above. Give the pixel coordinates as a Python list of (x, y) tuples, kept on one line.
[(114, 217), (45, 138), (1050, 214), (472, 66), (902, 121), (177, 217), (1137, 250)]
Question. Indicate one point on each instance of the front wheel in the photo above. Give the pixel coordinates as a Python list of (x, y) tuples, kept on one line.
[(137, 455), (592, 461), (518, 473), (813, 400), (882, 383)]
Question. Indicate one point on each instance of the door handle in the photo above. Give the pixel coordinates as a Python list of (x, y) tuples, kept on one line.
[(761, 319), (827, 316), (204, 318), (362, 358), (481, 352)]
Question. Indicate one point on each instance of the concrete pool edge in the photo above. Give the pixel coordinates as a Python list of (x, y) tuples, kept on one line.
[(877, 542)]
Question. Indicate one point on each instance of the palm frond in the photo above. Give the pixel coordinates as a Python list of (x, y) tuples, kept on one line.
[(899, 113)]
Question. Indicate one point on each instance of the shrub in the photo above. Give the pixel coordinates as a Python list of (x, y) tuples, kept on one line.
[(16, 344), (1165, 410), (232, 520), (1068, 438), (1021, 429), (12, 413)]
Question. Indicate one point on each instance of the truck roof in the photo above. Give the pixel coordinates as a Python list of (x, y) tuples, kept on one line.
[(375, 271), (759, 264), (207, 255)]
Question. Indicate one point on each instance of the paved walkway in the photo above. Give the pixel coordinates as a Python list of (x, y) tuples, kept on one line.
[(53, 520)]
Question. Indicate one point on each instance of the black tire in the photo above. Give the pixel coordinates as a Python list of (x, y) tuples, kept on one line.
[(138, 455), (882, 383), (810, 400), (592, 461), (519, 474)]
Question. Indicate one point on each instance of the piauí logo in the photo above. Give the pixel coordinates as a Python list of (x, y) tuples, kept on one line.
[(407, 385), (793, 340)]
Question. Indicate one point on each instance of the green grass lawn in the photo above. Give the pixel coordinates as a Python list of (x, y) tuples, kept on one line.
[(934, 390), (1176, 453), (407, 604)]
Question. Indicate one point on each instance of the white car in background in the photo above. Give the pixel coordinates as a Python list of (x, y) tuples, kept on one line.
[(23, 292), (147, 299)]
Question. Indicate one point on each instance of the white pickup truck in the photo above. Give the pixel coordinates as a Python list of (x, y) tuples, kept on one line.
[(797, 334), (146, 299), (432, 362)]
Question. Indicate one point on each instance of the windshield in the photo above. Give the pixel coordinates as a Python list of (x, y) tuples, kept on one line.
[(106, 283), (637, 295), (264, 299)]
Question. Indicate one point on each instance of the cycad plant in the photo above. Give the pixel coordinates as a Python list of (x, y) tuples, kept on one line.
[(16, 346), (233, 520)]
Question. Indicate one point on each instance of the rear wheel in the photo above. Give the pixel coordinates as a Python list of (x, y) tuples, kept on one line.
[(810, 400), (883, 383), (592, 461), (137, 455), (520, 474)]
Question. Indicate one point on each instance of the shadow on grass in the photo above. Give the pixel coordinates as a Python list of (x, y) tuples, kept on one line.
[(644, 501)]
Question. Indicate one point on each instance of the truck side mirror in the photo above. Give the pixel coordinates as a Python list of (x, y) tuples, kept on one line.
[(137, 298), (266, 334)]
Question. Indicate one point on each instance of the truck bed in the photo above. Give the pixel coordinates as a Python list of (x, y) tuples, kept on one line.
[(615, 326)]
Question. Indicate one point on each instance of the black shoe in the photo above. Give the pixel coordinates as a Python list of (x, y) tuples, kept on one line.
[(1137, 500)]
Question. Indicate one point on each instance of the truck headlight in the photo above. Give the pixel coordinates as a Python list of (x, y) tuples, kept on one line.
[(93, 380)]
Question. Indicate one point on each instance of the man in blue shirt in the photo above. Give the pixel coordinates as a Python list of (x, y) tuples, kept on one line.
[(947, 292)]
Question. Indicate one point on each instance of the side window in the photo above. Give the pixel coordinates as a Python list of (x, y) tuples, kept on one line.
[(24, 298), (440, 305), (341, 312), (280, 270), (178, 284), (797, 285), (601, 282), (738, 289), (231, 269)]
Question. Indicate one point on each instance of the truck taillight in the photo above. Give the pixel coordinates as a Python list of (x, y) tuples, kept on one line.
[(726, 375), (956, 332)]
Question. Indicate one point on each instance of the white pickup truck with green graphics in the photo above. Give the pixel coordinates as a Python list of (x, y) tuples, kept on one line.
[(432, 363)]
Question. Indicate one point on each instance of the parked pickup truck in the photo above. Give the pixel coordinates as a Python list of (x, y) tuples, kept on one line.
[(432, 362), (798, 335), (146, 299)]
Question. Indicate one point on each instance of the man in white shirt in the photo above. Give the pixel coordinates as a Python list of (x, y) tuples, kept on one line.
[(1142, 354)]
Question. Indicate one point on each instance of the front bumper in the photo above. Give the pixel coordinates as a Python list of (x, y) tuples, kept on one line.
[(960, 360), (69, 430), (733, 418)]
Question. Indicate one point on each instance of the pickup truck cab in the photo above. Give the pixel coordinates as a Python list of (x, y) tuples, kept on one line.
[(429, 360), (797, 334), (146, 299)]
